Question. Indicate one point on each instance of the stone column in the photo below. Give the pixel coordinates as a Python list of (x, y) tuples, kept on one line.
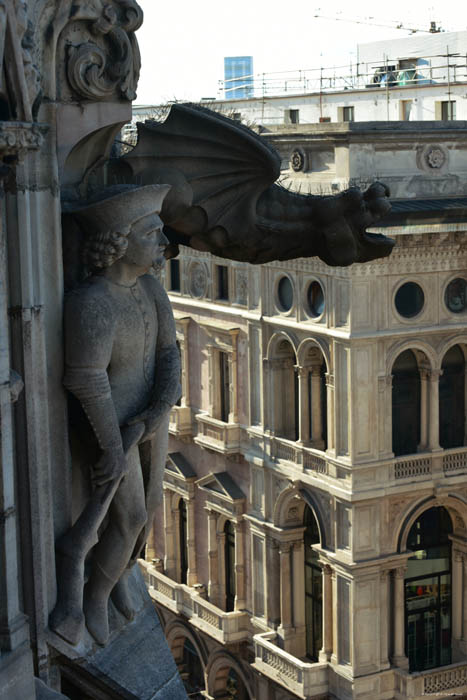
[(399, 658), (326, 651), (240, 602), (213, 582), (335, 626), (316, 410), (304, 417), (433, 437), (385, 414), (331, 413), (384, 619), (192, 576), (273, 582), (457, 594), (285, 585), (423, 410), (221, 559), (170, 549)]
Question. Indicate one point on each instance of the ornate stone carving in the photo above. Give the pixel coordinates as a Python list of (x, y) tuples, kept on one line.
[(242, 287), (435, 157), (298, 160), (198, 280), (16, 139), (116, 321), (111, 63)]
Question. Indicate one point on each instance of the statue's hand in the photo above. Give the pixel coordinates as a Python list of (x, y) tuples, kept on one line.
[(112, 465), (343, 220)]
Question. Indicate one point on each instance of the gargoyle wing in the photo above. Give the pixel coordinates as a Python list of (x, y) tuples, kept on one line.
[(212, 162)]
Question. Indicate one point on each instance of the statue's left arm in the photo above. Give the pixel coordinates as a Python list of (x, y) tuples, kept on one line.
[(167, 388)]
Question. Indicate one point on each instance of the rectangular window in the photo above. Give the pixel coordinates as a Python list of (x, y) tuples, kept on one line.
[(224, 386), (292, 116), (448, 110), (258, 577), (405, 109), (222, 282), (174, 265), (348, 114)]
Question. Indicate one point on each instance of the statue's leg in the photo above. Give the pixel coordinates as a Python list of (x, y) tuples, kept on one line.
[(153, 456), (127, 517)]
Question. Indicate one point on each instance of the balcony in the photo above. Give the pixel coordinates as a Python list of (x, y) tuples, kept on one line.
[(447, 681), (181, 422), (224, 627), (216, 435), (306, 680)]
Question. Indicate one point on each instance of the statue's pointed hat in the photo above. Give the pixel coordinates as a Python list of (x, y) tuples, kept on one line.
[(112, 208)]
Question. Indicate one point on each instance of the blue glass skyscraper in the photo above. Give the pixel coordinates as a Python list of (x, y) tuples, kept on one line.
[(238, 77)]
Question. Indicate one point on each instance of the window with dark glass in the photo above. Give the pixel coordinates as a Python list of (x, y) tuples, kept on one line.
[(313, 588), (315, 298), (192, 671), (224, 386), (409, 299), (285, 294), (428, 591), (405, 404), (174, 265), (448, 110), (183, 541), (348, 114), (452, 399), (455, 296), (230, 588), (222, 282)]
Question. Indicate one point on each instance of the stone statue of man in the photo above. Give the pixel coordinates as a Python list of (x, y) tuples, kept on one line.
[(123, 366)]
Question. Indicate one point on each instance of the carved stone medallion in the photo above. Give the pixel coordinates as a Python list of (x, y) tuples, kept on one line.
[(435, 157), (198, 280), (298, 160)]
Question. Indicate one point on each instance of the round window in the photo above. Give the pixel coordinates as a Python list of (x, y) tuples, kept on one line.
[(285, 294), (315, 297), (409, 299), (455, 296)]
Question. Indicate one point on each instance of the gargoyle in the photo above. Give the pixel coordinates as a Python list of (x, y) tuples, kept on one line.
[(225, 199)]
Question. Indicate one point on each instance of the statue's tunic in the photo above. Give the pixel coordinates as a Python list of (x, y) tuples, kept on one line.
[(121, 354)]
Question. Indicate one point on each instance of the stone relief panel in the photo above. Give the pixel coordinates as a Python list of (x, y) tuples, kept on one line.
[(433, 158), (198, 280), (241, 287)]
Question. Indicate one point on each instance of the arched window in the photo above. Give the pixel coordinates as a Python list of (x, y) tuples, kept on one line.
[(230, 588), (313, 588), (405, 404), (191, 670), (452, 399), (183, 543), (235, 688), (285, 388), (428, 591)]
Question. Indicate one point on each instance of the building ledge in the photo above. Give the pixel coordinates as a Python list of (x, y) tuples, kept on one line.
[(306, 680), (214, 434), (224, 627)]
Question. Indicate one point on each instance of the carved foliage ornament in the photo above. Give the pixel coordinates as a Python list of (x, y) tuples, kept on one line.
[(111, 64)]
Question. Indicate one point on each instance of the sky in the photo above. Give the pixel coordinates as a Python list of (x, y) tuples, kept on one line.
[(183, 44)]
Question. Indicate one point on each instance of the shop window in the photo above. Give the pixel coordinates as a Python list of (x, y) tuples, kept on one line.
[(428, 591)]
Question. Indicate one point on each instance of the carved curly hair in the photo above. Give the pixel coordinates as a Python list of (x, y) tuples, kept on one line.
[(104, 248)]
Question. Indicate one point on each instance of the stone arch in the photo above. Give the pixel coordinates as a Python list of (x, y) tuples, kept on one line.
[(217, 671), (307, 346), (176, 632), (416, 346), (460, 340), (297, 497), (282, 383), (273, 348), (455, 504)]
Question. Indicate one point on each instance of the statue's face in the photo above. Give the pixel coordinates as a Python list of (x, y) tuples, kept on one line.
[(146, 242)]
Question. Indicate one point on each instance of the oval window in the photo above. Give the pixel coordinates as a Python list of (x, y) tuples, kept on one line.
[(455, 295), (285, 294), (409, 299), (315, 297)]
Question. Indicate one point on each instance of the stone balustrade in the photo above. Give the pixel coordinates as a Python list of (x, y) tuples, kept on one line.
[(225, 627), (180, 422), (216, 435), (302, 678), (448, 681)]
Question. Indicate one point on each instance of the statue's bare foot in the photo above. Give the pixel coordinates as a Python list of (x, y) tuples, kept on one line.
[(96, 614), (121, 596)]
